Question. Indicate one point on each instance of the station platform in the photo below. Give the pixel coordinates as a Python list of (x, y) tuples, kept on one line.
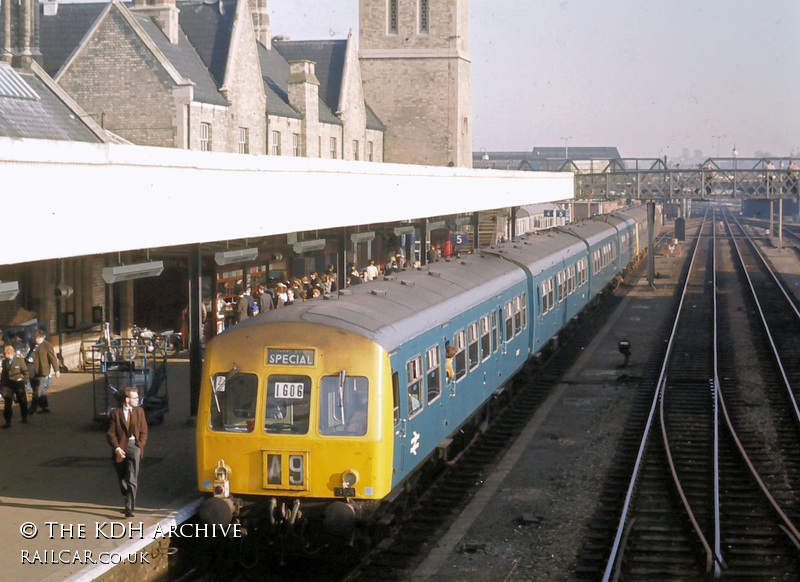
[(60, 504)]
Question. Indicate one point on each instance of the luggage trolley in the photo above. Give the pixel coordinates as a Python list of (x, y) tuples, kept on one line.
[(129, 362)]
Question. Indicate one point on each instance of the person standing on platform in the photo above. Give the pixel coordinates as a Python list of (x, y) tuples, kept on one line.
[(127, 435), (13, 379), (42, 362)]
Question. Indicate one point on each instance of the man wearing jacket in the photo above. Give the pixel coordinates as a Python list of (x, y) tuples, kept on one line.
[(41, 358), (127, 435), (13, 379)]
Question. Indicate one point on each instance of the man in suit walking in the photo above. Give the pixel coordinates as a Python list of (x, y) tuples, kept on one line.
[(41, 359), (127, 436), (13, 380)]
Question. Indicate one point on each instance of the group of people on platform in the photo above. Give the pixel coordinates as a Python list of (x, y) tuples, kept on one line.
[(34, 369), (279, 293)]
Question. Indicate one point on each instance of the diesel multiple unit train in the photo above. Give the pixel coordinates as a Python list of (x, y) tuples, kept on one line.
[(314, 417)]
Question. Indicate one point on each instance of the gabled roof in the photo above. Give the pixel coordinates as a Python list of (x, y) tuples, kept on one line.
[(64, 32), (33, 106), (275, 72), (329, 58), (209, 26), (186, 61)]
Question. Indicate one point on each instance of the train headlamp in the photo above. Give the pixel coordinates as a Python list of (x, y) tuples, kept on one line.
[(349, 479), (222, 473)]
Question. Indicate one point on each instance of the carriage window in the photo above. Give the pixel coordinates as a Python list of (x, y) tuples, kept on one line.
[(414, 377), (509, 315), (517, 315), (486, 342), (474, 359), (495, 332), (288, 403), (524, 308), (233, 402), (433, 372), (343, 405), (460, 359)]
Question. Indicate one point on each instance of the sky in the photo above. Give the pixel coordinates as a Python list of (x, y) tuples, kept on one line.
[(650, 77)]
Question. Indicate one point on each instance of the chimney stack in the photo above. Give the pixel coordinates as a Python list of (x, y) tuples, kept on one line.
[(163, 12)]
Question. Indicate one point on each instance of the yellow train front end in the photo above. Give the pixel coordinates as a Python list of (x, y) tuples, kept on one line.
[(294, 430)]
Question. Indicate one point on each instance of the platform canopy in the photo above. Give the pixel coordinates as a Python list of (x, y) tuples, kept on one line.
[(93, 199)]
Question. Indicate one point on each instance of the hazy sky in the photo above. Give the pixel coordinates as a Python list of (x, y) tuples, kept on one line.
[(650, 77)]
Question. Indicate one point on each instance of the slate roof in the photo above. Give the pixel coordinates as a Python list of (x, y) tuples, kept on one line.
[(275, 72), (39, 112), (329, 58), (186, 60), (61, 33), (64, 31), (209, 26)]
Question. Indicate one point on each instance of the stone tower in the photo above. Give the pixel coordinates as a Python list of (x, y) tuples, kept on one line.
[(415, 68), (19, 32)]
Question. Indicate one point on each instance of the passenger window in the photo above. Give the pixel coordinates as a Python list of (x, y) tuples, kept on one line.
[(460, 359), (343, 405), (517, 316), (524, 308), (474, 360), (414, 378), (288, 404), (509, 313), (233, 402), (433, 372), (486, 342), (495, 332)]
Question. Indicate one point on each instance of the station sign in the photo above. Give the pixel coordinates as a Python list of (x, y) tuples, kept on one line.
[(287, 357), (459, 238)]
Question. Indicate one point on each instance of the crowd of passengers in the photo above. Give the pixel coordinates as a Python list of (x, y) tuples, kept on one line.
[(277, 293)]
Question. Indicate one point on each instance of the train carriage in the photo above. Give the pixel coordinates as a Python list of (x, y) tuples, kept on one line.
[(313, 416)]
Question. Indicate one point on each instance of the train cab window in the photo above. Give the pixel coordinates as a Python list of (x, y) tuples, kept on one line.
[(343, 405), (509, 319), (287, 405), (414, 377), (474, 358), (233, 402), (396, 397), (486, 341), (460, 359), (433, 372)]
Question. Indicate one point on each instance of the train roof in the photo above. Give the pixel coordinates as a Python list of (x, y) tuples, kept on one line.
[(393, 309)]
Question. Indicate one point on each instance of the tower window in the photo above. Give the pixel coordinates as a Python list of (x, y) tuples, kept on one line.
[(424, 16), (392, 16)]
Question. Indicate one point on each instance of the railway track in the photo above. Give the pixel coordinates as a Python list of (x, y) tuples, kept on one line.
[(711, 490)]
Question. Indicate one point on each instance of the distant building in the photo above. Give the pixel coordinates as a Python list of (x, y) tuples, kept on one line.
[(207, 76), (547, 159)]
